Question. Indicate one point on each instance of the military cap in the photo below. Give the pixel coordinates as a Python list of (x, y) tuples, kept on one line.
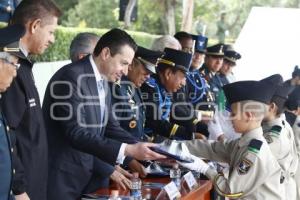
[(282, 90), (296, 71), (175, 58), (293, 101), (249, 90), (200, 43), (215, 50), (232, 56), (10, 39), (148, 58)]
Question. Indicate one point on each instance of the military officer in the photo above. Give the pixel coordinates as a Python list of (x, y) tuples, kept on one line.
[(185, 40), (9, 44), (157, 95), (126, 95), (280, 136), (212, 64), (230, 58), (21, 103), (254, 172), (194, 92), (197, 88)]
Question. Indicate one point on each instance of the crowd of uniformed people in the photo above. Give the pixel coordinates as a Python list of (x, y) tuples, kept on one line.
[(102, 113)]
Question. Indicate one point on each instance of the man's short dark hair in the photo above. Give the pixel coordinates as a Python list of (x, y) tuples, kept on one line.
[(114, 40), (29, 10), (280, 103), (182, 35), (83, 43)]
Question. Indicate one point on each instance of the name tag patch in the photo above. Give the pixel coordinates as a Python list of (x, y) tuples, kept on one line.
[(32, 102)]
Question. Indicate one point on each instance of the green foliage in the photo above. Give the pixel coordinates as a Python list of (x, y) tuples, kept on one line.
[(63, 37), (93, 13)]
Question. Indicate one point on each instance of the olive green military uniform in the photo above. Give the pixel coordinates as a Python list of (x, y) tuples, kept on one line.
[(254, 172), (280, 137)]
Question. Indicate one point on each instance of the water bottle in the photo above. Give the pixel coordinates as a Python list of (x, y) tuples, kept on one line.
[(175, 175), (114, 195), (136, 187)]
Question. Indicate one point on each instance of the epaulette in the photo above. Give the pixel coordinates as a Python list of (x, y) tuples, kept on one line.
[(276, 130), (255, 145), (151, 82)]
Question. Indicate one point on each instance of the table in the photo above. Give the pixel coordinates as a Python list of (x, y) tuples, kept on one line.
[(202, 192)]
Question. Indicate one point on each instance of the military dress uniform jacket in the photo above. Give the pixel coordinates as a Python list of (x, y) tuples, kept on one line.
[(77, 141), (197, 90), (254, 173), (214, 81), (128, 107), (280, 138), (158, 108), (21, 107)]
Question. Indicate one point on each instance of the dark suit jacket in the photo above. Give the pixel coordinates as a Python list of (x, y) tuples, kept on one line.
[(76, 142)]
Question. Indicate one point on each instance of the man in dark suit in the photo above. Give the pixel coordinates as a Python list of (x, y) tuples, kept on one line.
[(81, 127)]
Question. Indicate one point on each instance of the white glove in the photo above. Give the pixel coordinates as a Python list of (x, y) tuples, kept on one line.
[(214, 128), (198, 165)]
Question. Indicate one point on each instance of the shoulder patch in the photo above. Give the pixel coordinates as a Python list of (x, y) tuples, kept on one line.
[(255, 145), (151, 82), (276, 129), (268, 138), (244, 166)]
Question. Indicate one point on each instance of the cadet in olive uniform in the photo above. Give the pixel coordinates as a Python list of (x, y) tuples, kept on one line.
[(230, 58), (21, 103), (126, 95), (280, 136), (254, 172), (157, 95), (9, 44)]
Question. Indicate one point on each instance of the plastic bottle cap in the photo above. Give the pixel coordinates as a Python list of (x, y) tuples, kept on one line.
[(175, 166), (115, 193), (135, 175)]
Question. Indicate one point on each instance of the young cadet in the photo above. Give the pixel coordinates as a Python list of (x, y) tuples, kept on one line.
[(292, 113), (157, 95), (254, 172), (280, 136)]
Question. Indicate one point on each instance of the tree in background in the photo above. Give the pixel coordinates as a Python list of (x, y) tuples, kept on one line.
[(187, 15), (165, 16)]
